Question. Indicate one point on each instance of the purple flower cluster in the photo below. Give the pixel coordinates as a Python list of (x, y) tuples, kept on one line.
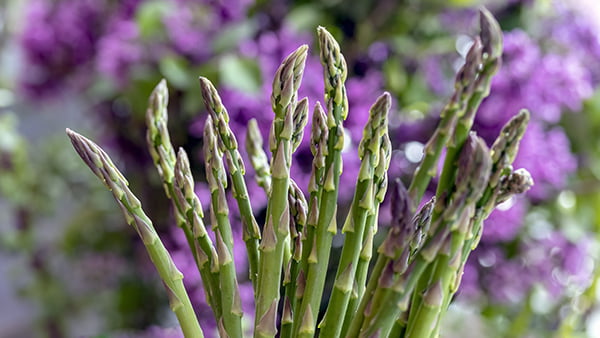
[(60, 39), (552, 261), (64, 41)]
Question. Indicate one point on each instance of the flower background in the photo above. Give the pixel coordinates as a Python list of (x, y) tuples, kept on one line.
[(71, 266)]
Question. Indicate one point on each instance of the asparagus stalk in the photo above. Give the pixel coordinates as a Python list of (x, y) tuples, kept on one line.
[(474, 171), (230, 324), (503, 182), (318, 146), (163, 155), (491, 49), (366, 252), (207, 258), (276, 230), (228, 144), (488, 52), (337, 107), (258, 157), (472, 176), (102, 166), (398, 237), (363, 204), (449, 115), (298, 213)]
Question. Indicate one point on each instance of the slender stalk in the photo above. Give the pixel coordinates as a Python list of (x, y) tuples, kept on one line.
[(230, 324), (206, 255), (366, 252), (102, 166), (298, 213), (472, 176), (188, 212), (337, 107), (487, 50), (363, 204), (318, 146), (449, 116), (229, 145), (276, 230)]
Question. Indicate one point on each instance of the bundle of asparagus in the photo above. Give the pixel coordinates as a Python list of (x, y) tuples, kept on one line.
[(419, 263)]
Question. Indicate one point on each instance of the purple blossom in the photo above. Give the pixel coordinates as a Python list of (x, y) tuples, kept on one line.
[(118, 51), (577, 33), (503, 224), (546, 84), (59, 38), (552, 261), (558, 263), (548, 157)]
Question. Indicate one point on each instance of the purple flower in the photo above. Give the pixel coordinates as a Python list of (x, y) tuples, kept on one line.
[(558, 263), (60, 42), (60, 37), (504, 223), (577, 33), (548, 157), (545, 84), (118, 51)]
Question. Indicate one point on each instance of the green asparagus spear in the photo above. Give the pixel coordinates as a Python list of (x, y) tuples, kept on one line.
[(163, 155), (102, 166), (230, 324), (363, 203), (276, 230), (337, 108), (228, 144), (318, 145)]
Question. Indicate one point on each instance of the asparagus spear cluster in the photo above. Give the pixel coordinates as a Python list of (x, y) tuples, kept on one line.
[(420, 261)]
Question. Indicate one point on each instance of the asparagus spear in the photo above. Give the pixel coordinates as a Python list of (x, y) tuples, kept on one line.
[(207, 258), (258, 157), (188, 217), (396, 290), (363, 203), (230, 324), (276, 230), (318, 146), (102, 166), (488, 52), (472, 176), (449, 115), (366, 252), (228, 144), (337, 108), (298, 213), (491, 48)]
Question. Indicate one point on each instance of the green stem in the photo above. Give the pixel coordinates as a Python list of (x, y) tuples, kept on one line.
[(102, 166)]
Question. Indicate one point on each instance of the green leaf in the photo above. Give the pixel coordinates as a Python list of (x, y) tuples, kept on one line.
[(230, 36), (176, 70), (305, 18), (149, 18), (240, 73)]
